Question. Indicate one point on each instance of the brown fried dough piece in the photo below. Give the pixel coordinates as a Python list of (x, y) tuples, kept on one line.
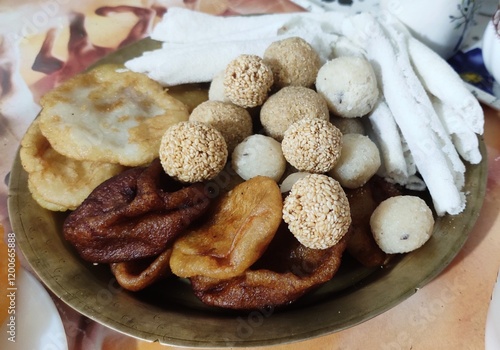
[(239, 227), (139, 274), (363, 201), (133, 215), (287, 271)]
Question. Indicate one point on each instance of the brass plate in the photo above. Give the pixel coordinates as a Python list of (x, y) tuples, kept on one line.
[(170, 314)]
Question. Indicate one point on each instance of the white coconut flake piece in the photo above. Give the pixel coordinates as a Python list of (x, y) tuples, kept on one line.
[(180, 25), (400, 40), (442, 81), (386, 135), (193, 63), (464, 139)]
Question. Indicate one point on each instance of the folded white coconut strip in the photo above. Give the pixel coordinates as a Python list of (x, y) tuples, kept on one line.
[(464, 139), (385, 133), (345, 47), (442, 81), (184, 26), (410, 115), (458, 109), (170, 65), (400, 40), (193, 63), (197, 52), (397, 164)]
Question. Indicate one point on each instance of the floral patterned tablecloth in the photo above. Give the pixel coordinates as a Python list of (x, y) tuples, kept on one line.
[(42, 43)]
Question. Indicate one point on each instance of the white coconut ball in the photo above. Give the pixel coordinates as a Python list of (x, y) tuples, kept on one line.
[(402, 224), (287, 183), (259, 155), (216, 90), (349, 86), (359, 161)]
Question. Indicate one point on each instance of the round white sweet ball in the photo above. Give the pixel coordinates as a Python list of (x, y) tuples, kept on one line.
[(359, 161), (290, 180), (258, 155), (402, 224), (216, 89), (349, 86)]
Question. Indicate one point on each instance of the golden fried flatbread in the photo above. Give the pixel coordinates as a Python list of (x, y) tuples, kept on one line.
[(287, 271), (109, 115), (239, 228), (57, 182)]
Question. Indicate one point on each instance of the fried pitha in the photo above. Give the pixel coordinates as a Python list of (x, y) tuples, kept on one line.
[(109, 115), (57, 182), (239, 228), (141, 273), (134, 215), (286, 272)]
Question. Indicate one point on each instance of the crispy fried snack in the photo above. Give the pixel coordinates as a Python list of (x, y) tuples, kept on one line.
[(139, 274), (363, 201), (287, 271), (134, 215), (239, 228), (57, 182), (108, 115)]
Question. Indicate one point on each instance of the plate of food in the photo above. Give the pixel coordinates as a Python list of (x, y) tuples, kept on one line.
[(115, 219)]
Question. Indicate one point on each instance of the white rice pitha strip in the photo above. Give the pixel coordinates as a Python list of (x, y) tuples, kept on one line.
[(464, 139), (386, 134), (442, 81), (400, 40), (345, 47), (312, 31), (180, 63), (180, 25), (193, 63), (398, 165), (409, 114)]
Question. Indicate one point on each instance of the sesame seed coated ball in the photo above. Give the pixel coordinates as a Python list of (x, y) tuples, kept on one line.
[(233, 122), (192, 151), (317, 211), (288, 105), (312, 145), (247, 81), (293, 62)]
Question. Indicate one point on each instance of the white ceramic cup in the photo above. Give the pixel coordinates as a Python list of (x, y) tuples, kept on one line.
[(491, 46), (440, 24)]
